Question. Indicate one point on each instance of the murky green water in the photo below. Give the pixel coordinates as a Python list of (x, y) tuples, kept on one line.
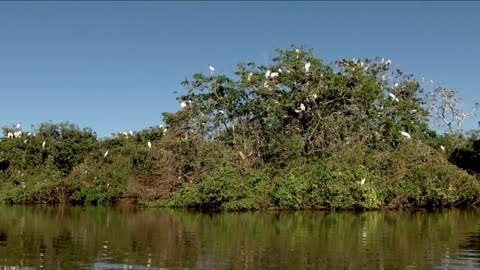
[(109, 238)]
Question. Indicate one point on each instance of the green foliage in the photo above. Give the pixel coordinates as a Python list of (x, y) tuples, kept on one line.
[(227, 189), (298, 133)]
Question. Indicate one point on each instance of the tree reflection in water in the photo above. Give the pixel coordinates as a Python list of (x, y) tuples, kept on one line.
[(115, 238)]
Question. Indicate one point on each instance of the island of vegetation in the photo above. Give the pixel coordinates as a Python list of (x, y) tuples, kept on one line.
[(296, 134)]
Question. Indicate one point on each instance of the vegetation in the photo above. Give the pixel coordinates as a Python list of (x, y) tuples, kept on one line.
[(295, 134)]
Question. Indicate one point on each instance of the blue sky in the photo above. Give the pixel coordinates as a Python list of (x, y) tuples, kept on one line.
[(113, 66)]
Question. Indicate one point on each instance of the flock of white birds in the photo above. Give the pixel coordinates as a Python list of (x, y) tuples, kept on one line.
[(17, 133)]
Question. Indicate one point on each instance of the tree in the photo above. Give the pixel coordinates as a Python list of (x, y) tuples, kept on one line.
[(300, 107), (444, 105)]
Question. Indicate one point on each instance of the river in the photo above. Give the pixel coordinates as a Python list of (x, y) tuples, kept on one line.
[(42, 237)]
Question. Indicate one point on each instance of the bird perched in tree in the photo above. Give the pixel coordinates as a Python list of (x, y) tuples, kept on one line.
[(249, 76), (307, 66), (149, 144), (393, 97), (405, 134), (212, 69), (267, 74), (43, 144), (106, 154)]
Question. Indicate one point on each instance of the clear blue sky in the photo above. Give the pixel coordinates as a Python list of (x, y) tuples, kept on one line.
[(114, 66)]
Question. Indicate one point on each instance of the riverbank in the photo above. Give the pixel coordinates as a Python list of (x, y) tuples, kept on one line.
[(412, 176), (297, 134)]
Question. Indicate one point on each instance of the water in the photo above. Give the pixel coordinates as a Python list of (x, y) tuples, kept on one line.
[(113, 238)]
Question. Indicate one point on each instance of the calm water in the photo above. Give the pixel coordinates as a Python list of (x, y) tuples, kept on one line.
[(109, 238)]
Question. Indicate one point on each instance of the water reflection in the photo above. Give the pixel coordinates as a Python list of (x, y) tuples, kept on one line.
[(109, 238)]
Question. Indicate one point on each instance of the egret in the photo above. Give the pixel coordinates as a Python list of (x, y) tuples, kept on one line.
[(131, 133), (10, 135), (405, 134), (389, 62), (396, 84), (362, 182), (307, 66), (106, 154), (302, 107), (212, 69), (280, 70), (274, 75), (149, 144), (393, 97), (442, 147), (249, 76), (267, 74), (297, 50), (43, 144), (25, 141), (183, 104), (19, 125), (413, 111)]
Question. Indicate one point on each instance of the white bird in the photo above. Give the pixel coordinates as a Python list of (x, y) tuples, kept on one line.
[(442, 147), (149, 144), (183, 104), (302, 107), (131, 133), (19, 125), (280, 70), (25, 141), (405, 134), (307, 66), (413, 111), (249, 76), (43, 144), (389, 62), (106, 154), (396, 84), (392, 96), (362, 182), (274, 75), (267, 74), (212, 69), (10, 135), (297, 50)]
